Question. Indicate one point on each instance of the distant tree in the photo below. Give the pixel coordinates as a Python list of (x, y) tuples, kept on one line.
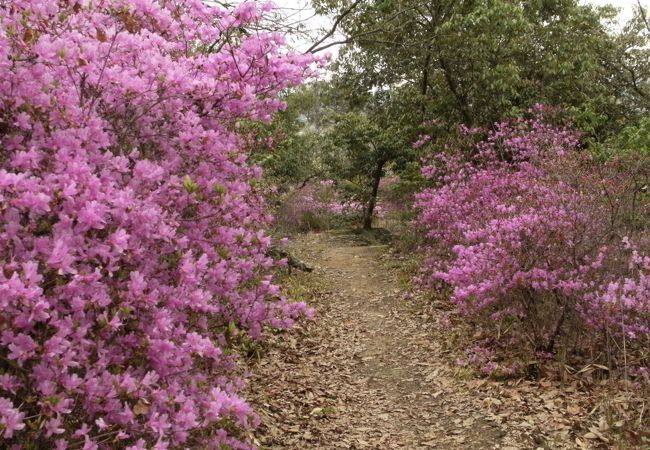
[(295, 139), (367, 140), (475, 62)]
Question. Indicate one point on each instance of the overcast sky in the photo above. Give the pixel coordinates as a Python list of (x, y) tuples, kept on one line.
[(625, 5), (299, 11)]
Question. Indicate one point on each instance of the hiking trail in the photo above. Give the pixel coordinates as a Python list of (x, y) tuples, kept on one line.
[(369, 373)]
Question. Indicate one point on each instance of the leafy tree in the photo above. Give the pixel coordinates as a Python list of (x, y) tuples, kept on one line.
[(475, 62), (366, 142), (295, 139)]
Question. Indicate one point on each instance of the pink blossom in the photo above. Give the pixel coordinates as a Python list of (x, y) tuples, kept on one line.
[(520, 223), (11, 418), (120, 278)]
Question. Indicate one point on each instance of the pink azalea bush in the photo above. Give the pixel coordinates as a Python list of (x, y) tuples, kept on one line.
[(130, 237), (395, 197), (316, 206), (533, 235)]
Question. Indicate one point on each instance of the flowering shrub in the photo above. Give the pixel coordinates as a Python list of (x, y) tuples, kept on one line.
[(527, 232), (621, 304), (130, 236), (316, 206)]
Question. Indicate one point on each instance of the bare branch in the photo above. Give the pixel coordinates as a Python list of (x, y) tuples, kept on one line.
[(643, 15), (335, 26), (357, 37)]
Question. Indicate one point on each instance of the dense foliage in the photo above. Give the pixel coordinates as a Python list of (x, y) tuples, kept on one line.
[(537, 237), (325, 137), (476, 62), (131, 248)]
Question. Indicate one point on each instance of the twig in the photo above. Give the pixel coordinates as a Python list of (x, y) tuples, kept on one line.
[(335, 26), (643, 15)]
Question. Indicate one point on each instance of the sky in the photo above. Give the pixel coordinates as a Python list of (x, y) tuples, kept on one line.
[(299, 11), (626, 6)]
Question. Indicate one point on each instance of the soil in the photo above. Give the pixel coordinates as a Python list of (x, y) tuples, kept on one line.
[(371, 371)]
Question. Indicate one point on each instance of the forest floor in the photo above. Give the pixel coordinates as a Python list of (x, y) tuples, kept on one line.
[(372, 371)]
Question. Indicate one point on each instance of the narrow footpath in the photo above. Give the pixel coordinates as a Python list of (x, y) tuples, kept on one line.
[(369, 372)]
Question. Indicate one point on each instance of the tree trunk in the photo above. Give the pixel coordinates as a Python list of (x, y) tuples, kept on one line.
[(425, 83), (370, 210), (461, 100)]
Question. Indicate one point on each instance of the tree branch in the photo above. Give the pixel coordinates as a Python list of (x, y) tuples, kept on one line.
[(358, 36), (643, 15), (453, 87), (335, 26)]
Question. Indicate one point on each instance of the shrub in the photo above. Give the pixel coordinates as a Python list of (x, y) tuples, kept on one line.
[(532, 234), (131, 242), (316, 207)]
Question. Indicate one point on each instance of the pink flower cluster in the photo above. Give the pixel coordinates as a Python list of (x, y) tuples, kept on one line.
[(131, 240), (523, 227), (622, 303), (315, 206)]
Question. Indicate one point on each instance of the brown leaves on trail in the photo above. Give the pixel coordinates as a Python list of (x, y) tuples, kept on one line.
[(371, 373)]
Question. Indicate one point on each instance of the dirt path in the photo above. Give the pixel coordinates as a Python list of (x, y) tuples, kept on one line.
[(369, 373)]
